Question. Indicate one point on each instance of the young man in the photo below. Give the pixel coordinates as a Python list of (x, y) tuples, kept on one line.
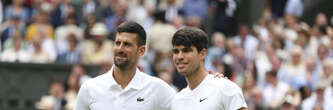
[(124, 87), (204, 92)]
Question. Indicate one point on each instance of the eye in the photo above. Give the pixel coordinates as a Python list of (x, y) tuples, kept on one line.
[(117, 43), (127, 44), (175, 51)]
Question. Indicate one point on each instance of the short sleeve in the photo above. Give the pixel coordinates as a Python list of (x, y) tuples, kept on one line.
[(235, 101), (164, 96), (82, 98)]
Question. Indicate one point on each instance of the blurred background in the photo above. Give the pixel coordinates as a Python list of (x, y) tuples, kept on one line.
[(280, 52)]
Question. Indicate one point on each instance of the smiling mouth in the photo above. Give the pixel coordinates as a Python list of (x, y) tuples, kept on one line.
[(121, 57), (181, 65)]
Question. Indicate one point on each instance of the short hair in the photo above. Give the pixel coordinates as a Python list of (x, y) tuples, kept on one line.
[(189, 36), (272, 73), (133, 27)]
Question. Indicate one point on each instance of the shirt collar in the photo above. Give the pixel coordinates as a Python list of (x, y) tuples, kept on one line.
[(136, 83)]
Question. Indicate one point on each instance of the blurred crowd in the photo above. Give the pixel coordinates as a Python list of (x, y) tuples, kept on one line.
[(280, 62)]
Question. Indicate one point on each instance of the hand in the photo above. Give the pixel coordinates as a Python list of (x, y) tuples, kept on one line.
[(217, 74)]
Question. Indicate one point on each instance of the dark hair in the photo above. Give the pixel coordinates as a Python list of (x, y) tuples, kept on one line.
[(191, 36), (272, 73), (133, 27)]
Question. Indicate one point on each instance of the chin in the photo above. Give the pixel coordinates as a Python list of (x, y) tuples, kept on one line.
[(182, 72)]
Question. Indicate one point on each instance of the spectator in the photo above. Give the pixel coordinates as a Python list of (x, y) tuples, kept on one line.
[(73, 54), (61, 12), (71, 93), (119, 16), (197, 8), (322, 53), (38, 55), (172, 10), (1, 12), (105, 10), (88, 25), (239, 63), (256, 99), (40, 5), (294, 7), (62, 32), (17, 9), (328, 95), (98, 49), (10, 26), (89, 7), (215, 52), (327, 75), (41, 22), (160, 35), (224, 18), (47, 44), (293, 72), (55, 100), (317, 99), (290, 31), (16, 53), (312, 74), (246, 41), (275, 91), (194, 21), (320, 20), (293, 97), (140, 12), (248, 85), (178, 22), (79, 71)]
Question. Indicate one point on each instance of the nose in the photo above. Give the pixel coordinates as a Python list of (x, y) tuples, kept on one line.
[(179, 56), (119, 46)]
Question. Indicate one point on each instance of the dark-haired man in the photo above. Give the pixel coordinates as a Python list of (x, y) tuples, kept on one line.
[(124, 87), (204, 92)]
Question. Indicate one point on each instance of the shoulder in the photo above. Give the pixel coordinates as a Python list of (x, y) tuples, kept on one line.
[(160, 85), (225, 86), (96, 82), (157, 82)]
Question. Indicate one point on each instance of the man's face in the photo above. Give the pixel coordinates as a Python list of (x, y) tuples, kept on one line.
[(126, 50), (187, 59)]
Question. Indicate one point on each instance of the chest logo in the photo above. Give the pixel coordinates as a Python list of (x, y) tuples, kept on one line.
[(140, 99), (203, 99)]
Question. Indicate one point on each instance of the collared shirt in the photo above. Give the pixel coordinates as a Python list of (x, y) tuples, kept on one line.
[(211, 94), (144, 92)]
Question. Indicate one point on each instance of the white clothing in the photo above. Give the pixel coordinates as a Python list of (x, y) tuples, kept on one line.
[(144, 92), (10, 55), (277, 93), (211, 94), (61, 34), (294, 7), (250, 45)]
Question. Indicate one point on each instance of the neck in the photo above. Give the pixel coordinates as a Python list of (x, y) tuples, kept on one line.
[(194, 79), (274, 83), (123, 76)]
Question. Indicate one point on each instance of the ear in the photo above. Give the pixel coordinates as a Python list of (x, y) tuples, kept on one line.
[(141, 50), (203, 53)]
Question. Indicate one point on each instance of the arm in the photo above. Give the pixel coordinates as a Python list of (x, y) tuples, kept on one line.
[(237, 101), (82, 99), (164, 96), (233, 97)]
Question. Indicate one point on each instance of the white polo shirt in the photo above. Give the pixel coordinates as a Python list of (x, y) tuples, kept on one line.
[(144, 92), (211, 94)]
